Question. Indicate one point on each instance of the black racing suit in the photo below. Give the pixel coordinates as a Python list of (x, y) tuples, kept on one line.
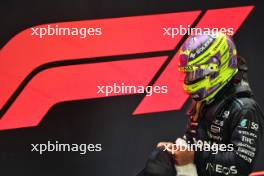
[(234, 121)]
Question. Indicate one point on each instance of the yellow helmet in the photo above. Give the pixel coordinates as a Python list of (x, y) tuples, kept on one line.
[(209, 61)]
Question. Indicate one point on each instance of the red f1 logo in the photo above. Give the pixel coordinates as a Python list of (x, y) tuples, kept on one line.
[(37, 73)]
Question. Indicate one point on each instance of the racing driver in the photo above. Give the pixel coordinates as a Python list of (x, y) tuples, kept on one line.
[(223, 111)]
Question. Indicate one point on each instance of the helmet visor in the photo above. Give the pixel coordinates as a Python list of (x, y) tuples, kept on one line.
[(194, 74)]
